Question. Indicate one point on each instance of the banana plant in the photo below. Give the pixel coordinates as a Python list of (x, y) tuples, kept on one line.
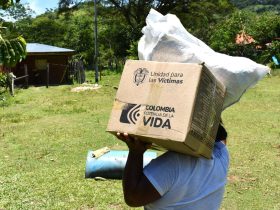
[(12, 51)]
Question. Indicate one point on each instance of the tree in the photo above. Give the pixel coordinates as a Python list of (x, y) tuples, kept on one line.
[(79, 35), (120, 22), (66, 5), (134, 12), (263, 28), (266, 27), (12, 49), (258, 6), (200, 17), (114, 36), (17, 12), (223, 37), (46, 30), (197, 16), (4, 4)]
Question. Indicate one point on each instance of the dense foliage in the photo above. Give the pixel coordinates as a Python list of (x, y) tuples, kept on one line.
[(264, 28), (12, 48), (12, 51), (258, 5), (120, 23), (4, 4)]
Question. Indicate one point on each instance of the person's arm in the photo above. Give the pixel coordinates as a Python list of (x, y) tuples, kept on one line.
[(137, 189)]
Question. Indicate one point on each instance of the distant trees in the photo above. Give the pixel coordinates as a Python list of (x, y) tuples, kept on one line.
[(120, 22), (16, 12), (264, 28), (45, 29), (135, 11), (258, 5), (79, 33), (199, 17)]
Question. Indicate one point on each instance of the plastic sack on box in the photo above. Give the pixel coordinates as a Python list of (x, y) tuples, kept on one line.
[(165, 39)]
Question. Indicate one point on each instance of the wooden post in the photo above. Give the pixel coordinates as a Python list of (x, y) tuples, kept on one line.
[(79, 75), (11, 83), (48, 75), (26, 75), (95, 44)]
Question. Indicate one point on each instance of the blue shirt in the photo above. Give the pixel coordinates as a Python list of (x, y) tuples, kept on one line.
[(187, 182)]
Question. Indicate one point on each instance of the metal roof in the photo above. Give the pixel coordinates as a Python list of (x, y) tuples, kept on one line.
[(43, 48)]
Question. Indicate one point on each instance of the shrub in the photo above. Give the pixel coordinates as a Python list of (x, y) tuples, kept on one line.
[(3, 80)]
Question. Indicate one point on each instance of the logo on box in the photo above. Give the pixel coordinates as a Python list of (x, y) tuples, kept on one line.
[(130, 113), (140, 75), (154, 116)]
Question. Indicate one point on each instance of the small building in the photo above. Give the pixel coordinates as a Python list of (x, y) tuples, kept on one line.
[(44, 63)]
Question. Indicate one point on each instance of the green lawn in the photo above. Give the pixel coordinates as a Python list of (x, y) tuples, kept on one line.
[(45, 135), (254, 144)]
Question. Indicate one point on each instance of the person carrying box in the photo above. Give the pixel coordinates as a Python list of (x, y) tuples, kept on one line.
[(174, 180)]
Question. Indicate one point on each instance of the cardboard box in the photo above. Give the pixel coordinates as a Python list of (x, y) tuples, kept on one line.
[(176, 106)]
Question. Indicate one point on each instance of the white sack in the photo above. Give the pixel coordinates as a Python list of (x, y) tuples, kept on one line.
[(165, 39)]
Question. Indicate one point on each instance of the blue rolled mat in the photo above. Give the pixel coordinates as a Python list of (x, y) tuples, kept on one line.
[(111, 164)]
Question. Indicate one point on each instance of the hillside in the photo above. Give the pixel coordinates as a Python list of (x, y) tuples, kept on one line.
[(258, 5)]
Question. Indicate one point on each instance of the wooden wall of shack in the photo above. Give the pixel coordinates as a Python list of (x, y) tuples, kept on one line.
[(57, 68)]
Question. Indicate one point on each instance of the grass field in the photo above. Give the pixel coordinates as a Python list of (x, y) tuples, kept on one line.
[(45, 135)]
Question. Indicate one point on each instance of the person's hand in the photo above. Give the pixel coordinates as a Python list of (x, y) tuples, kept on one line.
[(134, 144)]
